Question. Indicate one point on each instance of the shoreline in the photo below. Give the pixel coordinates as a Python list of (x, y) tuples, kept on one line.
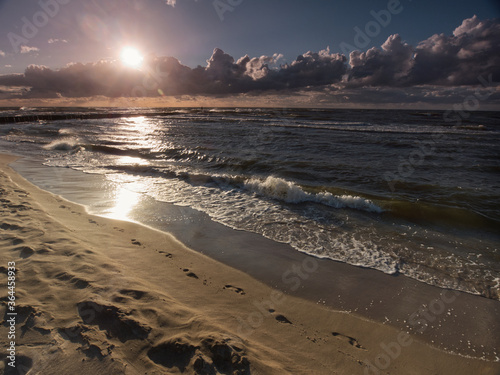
[(363, 291), (306, 330)]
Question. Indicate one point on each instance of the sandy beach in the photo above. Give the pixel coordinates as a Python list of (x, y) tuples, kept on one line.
[(100, 296)]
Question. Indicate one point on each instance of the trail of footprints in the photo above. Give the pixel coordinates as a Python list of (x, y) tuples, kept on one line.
[(204, 355)]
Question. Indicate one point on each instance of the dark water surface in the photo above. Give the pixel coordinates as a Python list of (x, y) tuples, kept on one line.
[(398, 191)]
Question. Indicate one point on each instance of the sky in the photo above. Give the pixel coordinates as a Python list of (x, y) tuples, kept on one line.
[(393, 53)]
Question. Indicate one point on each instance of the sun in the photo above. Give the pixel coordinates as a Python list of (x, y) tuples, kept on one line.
[(131, 57)]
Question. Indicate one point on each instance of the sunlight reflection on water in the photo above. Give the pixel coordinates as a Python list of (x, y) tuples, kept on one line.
[(124, 202)]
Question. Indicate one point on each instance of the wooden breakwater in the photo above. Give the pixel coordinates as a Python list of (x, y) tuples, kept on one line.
[(64, 116)]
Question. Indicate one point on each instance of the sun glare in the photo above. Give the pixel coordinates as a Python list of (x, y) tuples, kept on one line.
[(131, 57)]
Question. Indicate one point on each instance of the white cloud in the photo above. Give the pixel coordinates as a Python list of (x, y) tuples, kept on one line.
[(2, 53), (27, 49), (8, 66), (51, 41), (171, 2)]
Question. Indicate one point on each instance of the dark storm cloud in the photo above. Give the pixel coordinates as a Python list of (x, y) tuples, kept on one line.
[(166, 75), (311, 69), (441, 60), (223, 75), (382, 67), (12, 80), (473, 50), (80, 80)]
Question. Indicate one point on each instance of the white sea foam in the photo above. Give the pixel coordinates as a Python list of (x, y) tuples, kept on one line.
[(287, 191), (65, 144), (238, 210), (66, 131)]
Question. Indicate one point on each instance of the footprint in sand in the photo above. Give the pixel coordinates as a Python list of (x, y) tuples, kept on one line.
[(349, 339), (116, 322), (25, 251), (17, 241), (235, 289), (212, 356), (135, 242), (190, 274), (282, 319), (168, 255), (6, 226)]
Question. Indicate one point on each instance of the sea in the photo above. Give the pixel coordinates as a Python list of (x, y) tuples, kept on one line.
[(405, 192)]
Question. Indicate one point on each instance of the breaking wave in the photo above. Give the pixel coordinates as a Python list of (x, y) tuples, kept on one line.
[(278, 188)]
